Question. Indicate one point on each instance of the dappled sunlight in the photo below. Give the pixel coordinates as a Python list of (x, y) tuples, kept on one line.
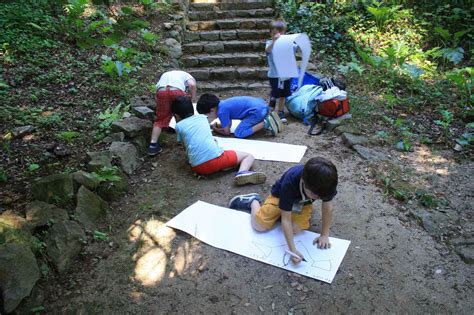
[(427, 162), (155, 255), (152, 233), (151, 267)]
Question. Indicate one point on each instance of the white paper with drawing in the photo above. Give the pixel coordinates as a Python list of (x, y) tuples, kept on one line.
[(265, 150), (235, 122), (285, 59), (231, 230)]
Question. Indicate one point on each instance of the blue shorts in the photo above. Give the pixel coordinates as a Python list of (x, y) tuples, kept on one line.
[(277, 92), (244, 129)]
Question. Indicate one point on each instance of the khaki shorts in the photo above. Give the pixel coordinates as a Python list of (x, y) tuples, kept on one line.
[(270, 212)]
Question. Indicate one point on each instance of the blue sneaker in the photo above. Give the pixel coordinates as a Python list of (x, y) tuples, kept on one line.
[(243, 202), (282, 116), (154, 149), (249, 177)]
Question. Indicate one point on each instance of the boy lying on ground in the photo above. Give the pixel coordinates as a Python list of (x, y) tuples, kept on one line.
[(253, 112)]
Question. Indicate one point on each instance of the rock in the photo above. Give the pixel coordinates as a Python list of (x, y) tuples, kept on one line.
[(466, 252), (369, 154), (141, 143), (23, 130), (332, 124), (350, 139), (127, 155), (99, 160), (347, 129), (116, 136), (143, 100), (40, 213), (174, 34), (34, 300), (144, 112), (113, 190), (14, 229), (56, 189), (132, 126), (431, 221), (457, 147), (64, 243), (61, 151), (174, 48), (168, 25), (90, 208), (85, 179), (18, 274)]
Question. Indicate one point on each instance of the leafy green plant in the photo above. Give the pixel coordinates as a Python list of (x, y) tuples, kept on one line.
[(33, 167), (110, 115), (100, 236), (464, 79), (68, 136), (382, 15), (445, 122), (426, 199), (404, 145), (107, 174), (3, 176)]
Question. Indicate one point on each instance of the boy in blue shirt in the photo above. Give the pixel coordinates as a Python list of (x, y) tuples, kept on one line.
[(291, 199), (204, 154), (253, 112)]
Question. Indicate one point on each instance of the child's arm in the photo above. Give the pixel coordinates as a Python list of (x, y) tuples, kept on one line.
[(192, 89), (323, 239), (223, 131), (269, 48), (287, 227)]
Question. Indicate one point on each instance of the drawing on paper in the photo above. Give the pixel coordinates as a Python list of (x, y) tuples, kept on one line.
[(218, 227)]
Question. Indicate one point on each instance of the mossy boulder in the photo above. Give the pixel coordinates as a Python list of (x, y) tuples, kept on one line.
[(40, 213), (64, 244), (112, 190), (18, 274), (85, 179), (56, 189), (90, 208)]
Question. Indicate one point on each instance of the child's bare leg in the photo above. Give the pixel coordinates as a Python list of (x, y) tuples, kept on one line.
[(155, 134), (245, 160), (255, 206), (258, 127), (280, 104)]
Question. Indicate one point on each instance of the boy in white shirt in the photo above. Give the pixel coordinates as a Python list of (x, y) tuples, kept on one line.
[(171, 85)]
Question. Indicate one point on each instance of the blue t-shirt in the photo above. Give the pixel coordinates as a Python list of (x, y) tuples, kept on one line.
[(288, 188), (197, 137), (238, 107)]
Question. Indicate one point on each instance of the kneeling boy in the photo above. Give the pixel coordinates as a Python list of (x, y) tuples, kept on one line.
[(253, 112), (292, 199), (204, 154)]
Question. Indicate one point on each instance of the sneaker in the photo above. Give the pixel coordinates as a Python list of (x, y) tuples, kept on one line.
[(278, 121), (282, 116), (270, 125), (154, 149), (243, 202), (249, 177)]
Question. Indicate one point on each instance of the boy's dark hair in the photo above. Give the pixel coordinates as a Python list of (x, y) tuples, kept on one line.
[(278, 25), (206, 102), (182, 106), (320, 177)]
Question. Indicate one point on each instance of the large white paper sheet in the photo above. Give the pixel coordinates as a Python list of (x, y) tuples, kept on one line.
[(231, 230), (265, 150), (285, 59)]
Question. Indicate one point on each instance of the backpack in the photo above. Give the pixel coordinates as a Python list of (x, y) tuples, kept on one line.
[(333, 108)]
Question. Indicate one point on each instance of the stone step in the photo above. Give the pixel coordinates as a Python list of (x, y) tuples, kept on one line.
[(230, 24), (226, 35), (233, 85), (231, 5), (229, 73), (227, 59), (224, 46), (230, 14)]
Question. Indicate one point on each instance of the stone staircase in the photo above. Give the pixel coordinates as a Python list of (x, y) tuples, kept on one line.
[(224, 45)]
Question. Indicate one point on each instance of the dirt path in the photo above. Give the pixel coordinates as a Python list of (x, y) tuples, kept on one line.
[(390, 267)]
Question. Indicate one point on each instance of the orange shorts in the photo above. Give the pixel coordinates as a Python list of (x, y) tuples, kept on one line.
[(164, 98), (270, 212), (227, 160)]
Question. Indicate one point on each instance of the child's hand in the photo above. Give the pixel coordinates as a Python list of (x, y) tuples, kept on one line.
[(275, 36), (297, 260), (322, 241)]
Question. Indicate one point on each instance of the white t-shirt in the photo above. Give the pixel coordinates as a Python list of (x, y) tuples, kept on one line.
[(175, 78)]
